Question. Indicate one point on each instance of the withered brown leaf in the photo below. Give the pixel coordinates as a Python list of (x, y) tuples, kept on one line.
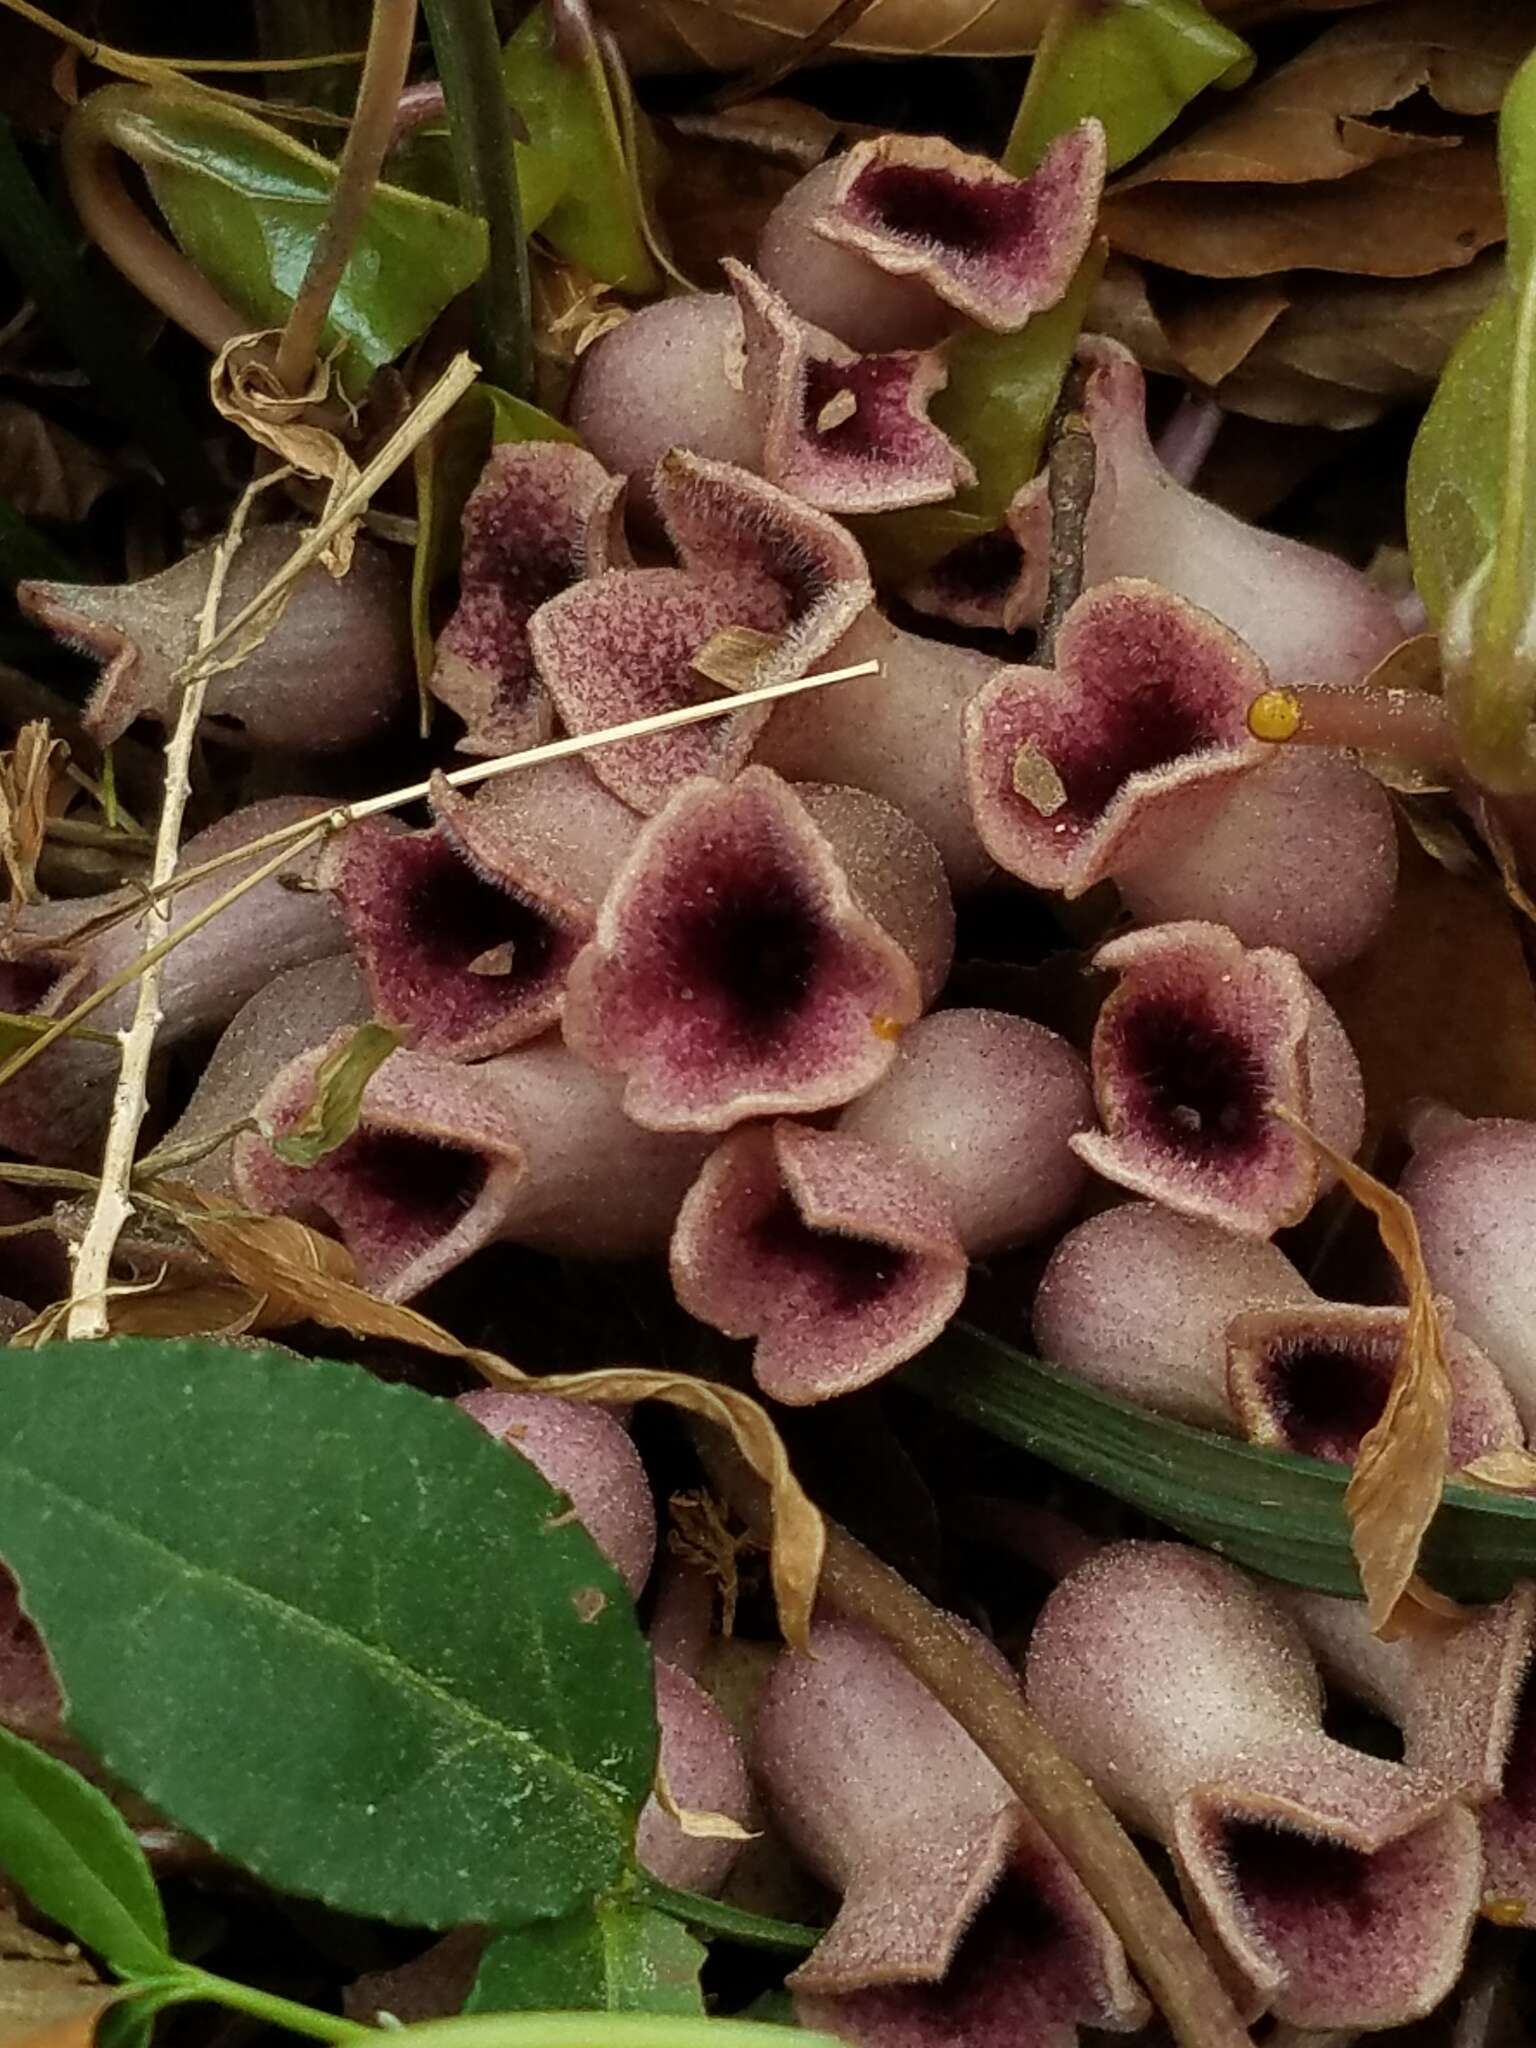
[(1399, 1475), (1400, 217), (1310, 119), (27, 774), (1442, 1005), (46, 472)]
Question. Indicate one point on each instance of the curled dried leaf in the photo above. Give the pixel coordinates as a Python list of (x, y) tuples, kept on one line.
[(1398, 1477), (299, 1276), (28, 772), (340, 1080), (50, 1997), (244, 389)]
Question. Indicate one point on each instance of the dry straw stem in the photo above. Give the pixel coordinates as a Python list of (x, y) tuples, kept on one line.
[(291, 840), (1395, 1487), (444, 394), (113, 1206), (362, 158)]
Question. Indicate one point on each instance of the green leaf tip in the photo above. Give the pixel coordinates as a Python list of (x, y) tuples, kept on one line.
[(65, 1844)]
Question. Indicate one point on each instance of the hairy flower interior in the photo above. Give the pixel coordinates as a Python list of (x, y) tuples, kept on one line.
[(1326, 1392), (1196, 1087), (848, 1274), (912, 203)]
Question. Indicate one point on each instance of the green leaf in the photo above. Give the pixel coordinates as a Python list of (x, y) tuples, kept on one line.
[(329, 1626), (577, 183), (448, 466), (614, 2030), (1268, 1510), (1471, 487), (246, 203), (997, 405), (70, 1850), (1136, 64), (340, 1080), (612, 1956), (1456, 469)]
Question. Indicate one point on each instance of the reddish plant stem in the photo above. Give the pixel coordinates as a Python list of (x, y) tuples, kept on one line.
[(1410, 725)]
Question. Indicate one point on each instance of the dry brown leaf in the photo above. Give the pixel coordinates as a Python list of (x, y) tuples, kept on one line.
[(47, 472), (1305, 120), (299, 1276), (731, 35), (734, 657), (1442, 1005), (1395, 1487), (1212, 328), (1402, 217), (50, 1997), (27, 774), (1333, 351)]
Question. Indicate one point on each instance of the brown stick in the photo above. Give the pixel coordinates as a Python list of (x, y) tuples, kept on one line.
[(368, 141), (1071, 471), (992, 1711)]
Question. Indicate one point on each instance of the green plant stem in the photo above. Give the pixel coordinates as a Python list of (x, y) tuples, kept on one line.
[(362, 158), (713, 1916), (468, 54), (189, 1985)]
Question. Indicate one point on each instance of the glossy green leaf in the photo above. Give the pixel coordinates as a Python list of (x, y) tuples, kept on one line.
[(340, 1080), (68, 1848), (448, 466), (1135, 64), (1268, 1510), (329, 1626), (612, 1956), (997, 405), (577, 182), (246, 203)]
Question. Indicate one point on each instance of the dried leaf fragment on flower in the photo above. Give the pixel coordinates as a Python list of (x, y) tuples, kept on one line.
[(49, 1994), (1396, 1484)]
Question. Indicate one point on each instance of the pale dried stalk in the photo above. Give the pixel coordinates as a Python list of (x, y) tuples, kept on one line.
[(130, 1101), (505, 764), (113, 1205), (290, 840)]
